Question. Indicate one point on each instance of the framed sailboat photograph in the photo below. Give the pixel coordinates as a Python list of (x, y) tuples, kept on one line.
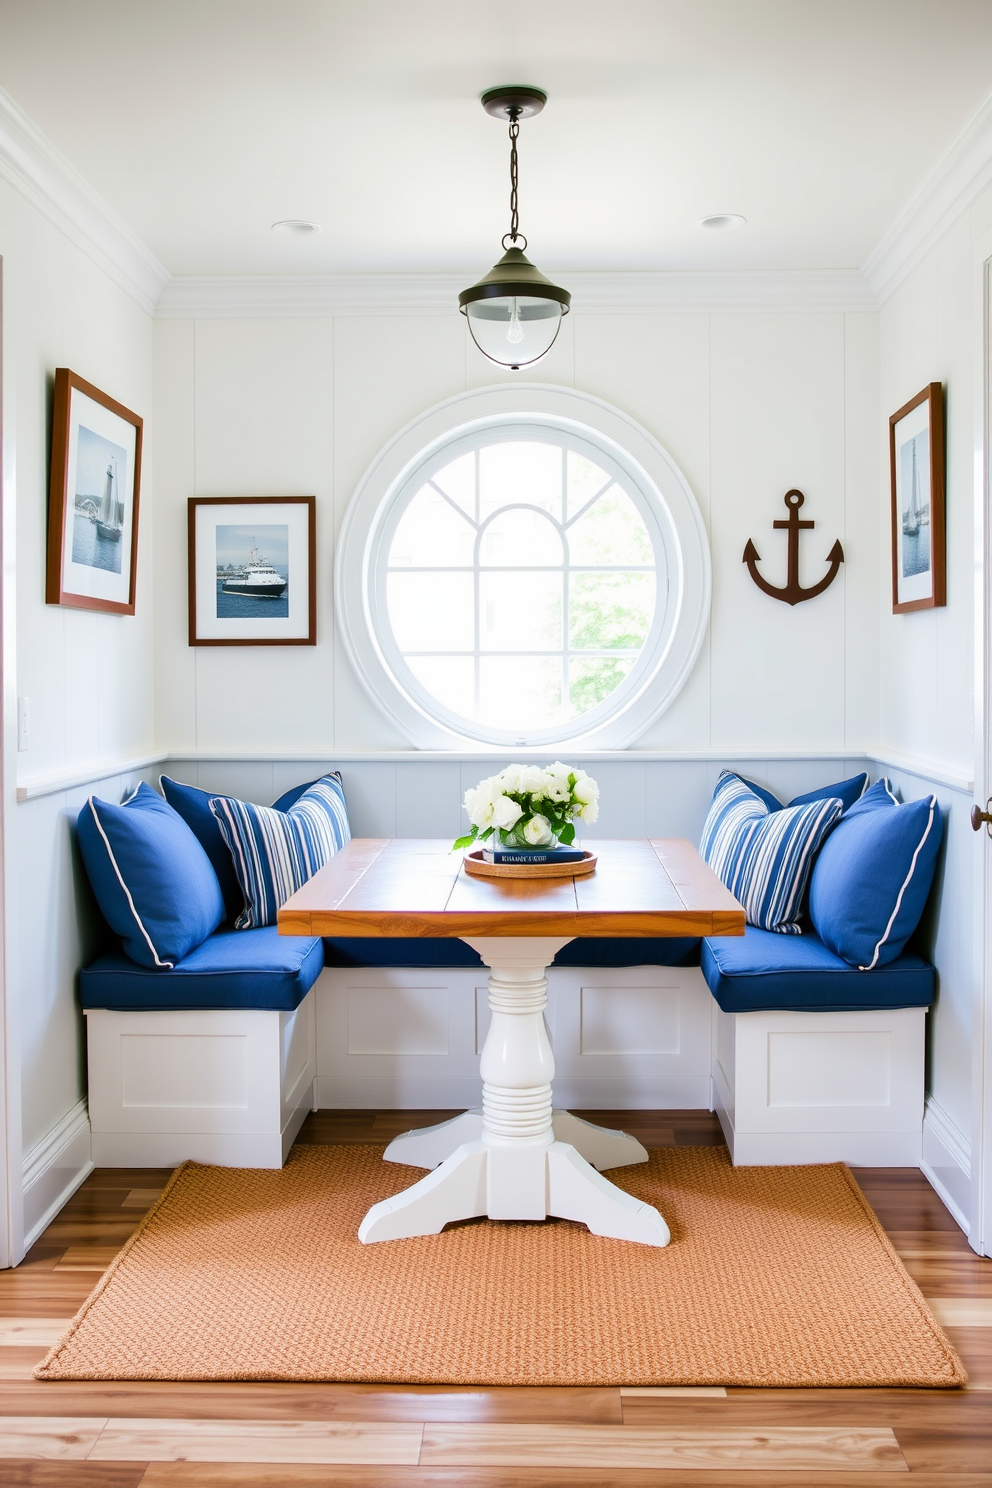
[(916, 469), (93, 499), (252, 571)]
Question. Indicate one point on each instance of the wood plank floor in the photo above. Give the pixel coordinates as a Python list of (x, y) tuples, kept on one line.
[(96, 1435)]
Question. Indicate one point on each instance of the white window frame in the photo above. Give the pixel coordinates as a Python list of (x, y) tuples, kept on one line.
[(663, 495)]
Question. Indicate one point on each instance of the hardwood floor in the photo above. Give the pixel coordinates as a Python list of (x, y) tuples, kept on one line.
[(97, 1435)]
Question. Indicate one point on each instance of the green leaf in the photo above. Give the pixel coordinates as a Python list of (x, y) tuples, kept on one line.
[(567, 835), (461, 842)]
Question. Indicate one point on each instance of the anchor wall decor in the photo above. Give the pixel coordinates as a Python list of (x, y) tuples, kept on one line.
[(793, 593)]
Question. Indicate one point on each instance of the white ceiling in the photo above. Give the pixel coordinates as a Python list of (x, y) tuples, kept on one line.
[(201, 122)]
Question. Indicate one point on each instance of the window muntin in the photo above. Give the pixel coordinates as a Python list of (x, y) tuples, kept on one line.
[(525, 578)]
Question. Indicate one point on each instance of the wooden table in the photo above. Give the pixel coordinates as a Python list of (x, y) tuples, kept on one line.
[(515, 1157)]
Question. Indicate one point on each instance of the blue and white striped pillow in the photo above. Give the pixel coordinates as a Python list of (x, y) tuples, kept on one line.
[(765, 857), (275, 852)]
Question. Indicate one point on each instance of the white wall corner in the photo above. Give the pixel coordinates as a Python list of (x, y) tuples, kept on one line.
[(950, 188), (946, 1162), (53, 1170), (33, 166)]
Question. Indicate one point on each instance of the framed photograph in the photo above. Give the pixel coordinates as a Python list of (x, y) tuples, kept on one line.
[(916, 468), (93, 499), (252, 571)]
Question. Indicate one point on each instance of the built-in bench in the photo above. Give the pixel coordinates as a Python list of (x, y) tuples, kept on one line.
[(219, 1059), (219, 1054), (814, 1060)]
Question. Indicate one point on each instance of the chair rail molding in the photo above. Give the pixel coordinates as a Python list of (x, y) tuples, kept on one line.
[(41, 173), (49, 784)]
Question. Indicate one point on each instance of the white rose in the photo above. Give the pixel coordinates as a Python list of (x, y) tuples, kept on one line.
[(479, 802), (509, 779), (588, 812), (534, 781), (537, 831), (558, 788), (585, 788), (506, 813)]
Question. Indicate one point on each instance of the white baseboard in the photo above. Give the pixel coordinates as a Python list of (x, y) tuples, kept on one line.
[(53, 1170), (946, 1161)]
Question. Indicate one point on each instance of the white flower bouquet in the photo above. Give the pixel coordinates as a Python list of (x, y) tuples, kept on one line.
[(527, 806)]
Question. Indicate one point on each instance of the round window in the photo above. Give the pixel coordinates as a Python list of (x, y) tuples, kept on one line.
[(523, 577)]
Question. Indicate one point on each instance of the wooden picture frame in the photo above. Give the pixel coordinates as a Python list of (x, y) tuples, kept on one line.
[(92, 532), (916, 477), (252, 570)]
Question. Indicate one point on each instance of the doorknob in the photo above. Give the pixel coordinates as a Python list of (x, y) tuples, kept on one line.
[(978, 816)]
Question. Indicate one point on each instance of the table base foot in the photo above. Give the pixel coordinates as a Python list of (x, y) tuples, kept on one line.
[(429, 1146), (478, 1180)]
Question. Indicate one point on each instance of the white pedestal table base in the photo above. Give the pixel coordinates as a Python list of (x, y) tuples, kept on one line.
[(515, 1158)]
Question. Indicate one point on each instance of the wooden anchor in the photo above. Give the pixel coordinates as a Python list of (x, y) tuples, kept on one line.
[(793, 593)]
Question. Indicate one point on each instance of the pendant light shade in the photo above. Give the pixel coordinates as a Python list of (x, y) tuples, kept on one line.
[(515, 312)]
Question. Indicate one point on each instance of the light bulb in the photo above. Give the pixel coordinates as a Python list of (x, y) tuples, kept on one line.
[(515, 332)]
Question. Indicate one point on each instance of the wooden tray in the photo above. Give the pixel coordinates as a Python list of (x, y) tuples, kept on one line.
[(476, 864)]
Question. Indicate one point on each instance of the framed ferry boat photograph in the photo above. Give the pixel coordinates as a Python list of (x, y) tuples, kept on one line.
[(93, 499), (916, 469), (252, 571)]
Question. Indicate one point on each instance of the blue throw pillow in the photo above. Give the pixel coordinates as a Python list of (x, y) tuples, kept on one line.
[(290, 797), (275, 852), (764, 857), (152, 879), (193, 805), (872, 878), (847, 791)]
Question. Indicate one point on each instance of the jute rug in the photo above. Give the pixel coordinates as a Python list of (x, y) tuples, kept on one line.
[(775, 1276)]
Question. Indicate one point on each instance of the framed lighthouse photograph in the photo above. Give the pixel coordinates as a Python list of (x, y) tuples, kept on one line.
[(916, 470), (252, 571), (93, 499)]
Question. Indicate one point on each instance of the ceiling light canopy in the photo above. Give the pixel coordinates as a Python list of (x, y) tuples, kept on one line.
[(514, 313), (720, 221)]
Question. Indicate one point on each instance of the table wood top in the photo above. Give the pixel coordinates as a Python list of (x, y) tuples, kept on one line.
[(380, 886)]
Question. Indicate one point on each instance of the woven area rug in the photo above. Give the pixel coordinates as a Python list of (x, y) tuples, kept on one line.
[(775, 1276)]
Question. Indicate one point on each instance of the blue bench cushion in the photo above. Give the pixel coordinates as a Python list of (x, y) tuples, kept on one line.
[(586, 951), (764, 972), (232, 969)]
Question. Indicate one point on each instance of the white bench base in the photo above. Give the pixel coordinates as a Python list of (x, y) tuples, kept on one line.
[(821, 1087), (227, 1087)]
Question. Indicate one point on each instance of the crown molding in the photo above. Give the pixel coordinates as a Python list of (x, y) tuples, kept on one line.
[(31, 164), (951, 187), (634, 293)]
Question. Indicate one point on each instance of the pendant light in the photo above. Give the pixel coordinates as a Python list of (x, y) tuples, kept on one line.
[(514, 313)]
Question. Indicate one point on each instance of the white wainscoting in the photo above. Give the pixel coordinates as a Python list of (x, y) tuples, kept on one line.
[(627, 1038), (419, 794)]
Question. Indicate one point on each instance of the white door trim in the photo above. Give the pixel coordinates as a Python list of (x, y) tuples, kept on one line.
[(11, 1223), (980, 1226)]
